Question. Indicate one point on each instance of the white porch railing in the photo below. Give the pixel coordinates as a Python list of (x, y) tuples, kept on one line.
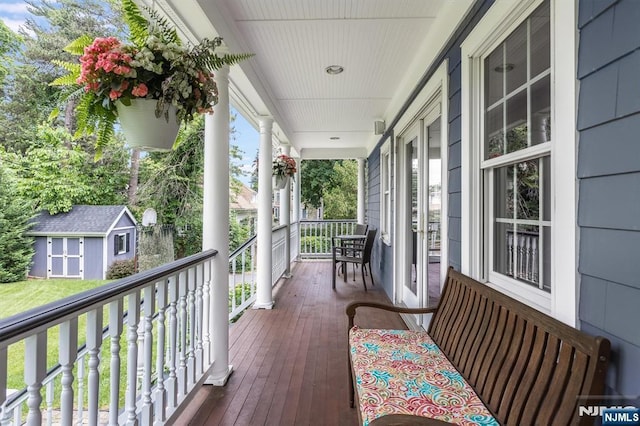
[(242, 268), (147, 339), (315, 236), (150, 330)]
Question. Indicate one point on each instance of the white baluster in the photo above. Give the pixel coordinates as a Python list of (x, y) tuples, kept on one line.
[(206, 300), (115, 331), (535, 263), (133, 317), (49, 397), (3, 384), (510, 270), (94, 342), (81, 378), (182, 322), (198, 323), (161, 396), (172, 381), (149, 309), (191, 327), (35, 370), (68, 343)]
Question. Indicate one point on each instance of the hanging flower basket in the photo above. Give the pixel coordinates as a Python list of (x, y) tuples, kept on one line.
[(279, 182), (143, 130), (155, 65), (283, 167)]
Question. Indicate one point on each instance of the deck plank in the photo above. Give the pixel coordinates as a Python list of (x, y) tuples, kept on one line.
[(290, 363)]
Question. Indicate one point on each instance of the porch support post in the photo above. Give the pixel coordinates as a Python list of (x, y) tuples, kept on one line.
[(285, 217), (361, 191), (264, 296), (296, 194), (215, 226)]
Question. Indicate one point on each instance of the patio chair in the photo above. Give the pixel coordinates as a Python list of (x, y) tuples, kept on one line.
[(357, 254)]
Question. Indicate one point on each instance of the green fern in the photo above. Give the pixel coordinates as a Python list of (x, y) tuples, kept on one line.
[(65, 80), (104, 134), (76, 47), (137, 23)]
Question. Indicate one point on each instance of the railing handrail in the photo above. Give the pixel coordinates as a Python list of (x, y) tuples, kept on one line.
[(13, 327)]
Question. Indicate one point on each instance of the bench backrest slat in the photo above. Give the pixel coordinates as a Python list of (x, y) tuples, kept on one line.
[(523, 364)]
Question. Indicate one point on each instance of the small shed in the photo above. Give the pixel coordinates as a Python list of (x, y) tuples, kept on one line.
[(82, 243)]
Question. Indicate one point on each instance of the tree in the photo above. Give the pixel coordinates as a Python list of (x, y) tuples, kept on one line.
[(340, 200), (16, 249), (317, 176), (9, 46), (171, 183), (56, 173), (52, 25)]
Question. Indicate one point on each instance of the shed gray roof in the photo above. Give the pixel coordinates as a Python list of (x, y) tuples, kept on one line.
[(80, 220)]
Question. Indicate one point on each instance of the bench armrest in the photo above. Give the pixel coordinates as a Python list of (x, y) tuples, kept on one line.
[(351, 309), (406, 420)]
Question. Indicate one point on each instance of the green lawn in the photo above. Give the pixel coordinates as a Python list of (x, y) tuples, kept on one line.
[(24, 295)]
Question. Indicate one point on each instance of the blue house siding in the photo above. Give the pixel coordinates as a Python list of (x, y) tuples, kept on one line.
[(454, 174), (93, 258), (112, 256), (39, 261), (609, 182), (382, 255)]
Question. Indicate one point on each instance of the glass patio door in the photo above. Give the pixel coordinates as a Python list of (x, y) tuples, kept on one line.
[(420, 224), (412, 178)]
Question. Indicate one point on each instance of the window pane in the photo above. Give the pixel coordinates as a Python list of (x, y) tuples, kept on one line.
[(503, 248), (545, 177), (546, 259), (494, 72), (503, 195), (541, 111), (540, 40), (517, 122), (515, 68), (528, 184), (494, 138)]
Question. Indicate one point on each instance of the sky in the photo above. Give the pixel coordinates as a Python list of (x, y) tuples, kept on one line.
[(14, 12)]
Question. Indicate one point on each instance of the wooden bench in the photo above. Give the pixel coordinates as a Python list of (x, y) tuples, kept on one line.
[(524, 367)]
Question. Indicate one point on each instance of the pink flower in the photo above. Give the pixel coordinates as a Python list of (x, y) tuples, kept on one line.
[(140, 90), (114, 94)]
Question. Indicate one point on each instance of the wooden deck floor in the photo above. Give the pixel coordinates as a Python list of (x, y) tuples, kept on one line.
[(290, 363)]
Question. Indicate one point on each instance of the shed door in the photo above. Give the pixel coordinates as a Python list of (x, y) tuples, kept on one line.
[(65, 257)]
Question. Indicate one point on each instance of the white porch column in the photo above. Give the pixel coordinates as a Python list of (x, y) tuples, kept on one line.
[(361, 190), (296, 193), (285, 217), (215, 225), (264, 296)]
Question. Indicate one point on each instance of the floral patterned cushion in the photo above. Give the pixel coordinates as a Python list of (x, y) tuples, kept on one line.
[(404, 372)]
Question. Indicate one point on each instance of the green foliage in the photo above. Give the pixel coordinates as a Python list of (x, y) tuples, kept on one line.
[(316, 244), (317, 175), (9, 45), (171, 183), (57, 173), (16, 249), (121, 269), (51, 26), (340, 200)]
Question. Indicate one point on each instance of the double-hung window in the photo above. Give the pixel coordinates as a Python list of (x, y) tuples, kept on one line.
[(518, 153)]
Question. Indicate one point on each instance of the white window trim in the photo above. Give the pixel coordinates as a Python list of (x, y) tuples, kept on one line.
[(385, 186), (124, 237), (499, 21)]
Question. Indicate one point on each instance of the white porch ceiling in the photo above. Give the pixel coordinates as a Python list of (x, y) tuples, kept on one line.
[(383, 45)]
